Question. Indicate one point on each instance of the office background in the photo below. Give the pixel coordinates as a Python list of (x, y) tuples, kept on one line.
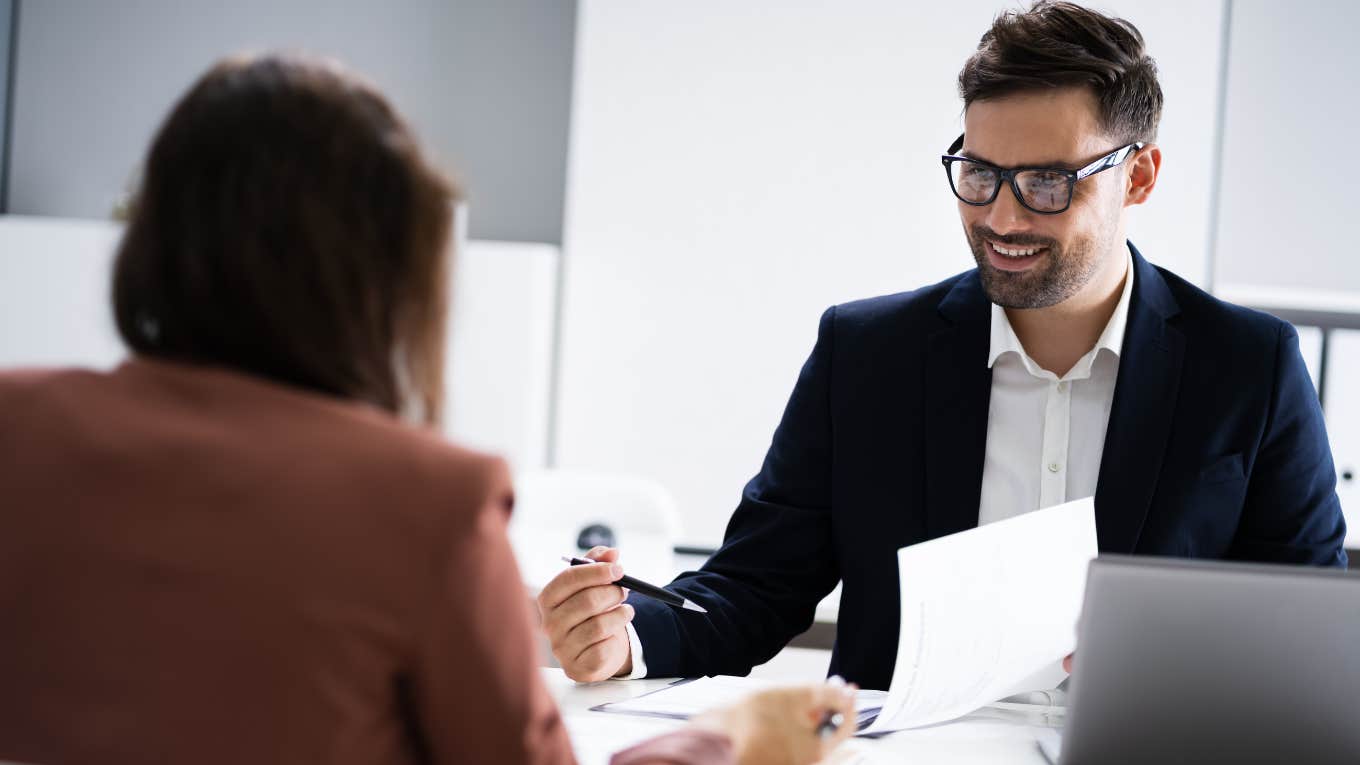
[(702, 179)]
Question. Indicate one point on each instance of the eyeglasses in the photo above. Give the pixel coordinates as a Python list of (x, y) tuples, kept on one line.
[(1044, 190)]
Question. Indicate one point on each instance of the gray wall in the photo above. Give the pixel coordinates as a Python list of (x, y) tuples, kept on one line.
[(6, 14), (487, 84)]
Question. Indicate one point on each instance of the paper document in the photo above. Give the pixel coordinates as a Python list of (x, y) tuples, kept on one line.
[(686, 698), (987, 613)]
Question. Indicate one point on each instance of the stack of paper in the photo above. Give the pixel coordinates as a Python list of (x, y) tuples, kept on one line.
[(988, 613)]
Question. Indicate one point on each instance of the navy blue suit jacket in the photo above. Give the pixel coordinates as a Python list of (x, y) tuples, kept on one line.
[(1215, 449)]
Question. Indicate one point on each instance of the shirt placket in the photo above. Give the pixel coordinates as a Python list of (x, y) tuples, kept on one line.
[(1057, 431)]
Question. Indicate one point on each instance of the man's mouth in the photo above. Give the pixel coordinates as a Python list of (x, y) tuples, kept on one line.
[(1013, 257), (1016, 252)]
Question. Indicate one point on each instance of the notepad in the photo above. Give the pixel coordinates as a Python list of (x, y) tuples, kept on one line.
[(684, 699)]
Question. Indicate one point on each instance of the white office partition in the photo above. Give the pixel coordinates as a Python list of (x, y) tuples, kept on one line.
[(500, 360), (54, 293), (1292, 76), (54, 311), (735, 168)]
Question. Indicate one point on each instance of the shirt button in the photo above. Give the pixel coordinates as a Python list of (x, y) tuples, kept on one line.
[(1062, 387), (1054, 467)]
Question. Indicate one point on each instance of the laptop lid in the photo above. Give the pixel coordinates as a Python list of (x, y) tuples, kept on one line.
[(1199, 661)]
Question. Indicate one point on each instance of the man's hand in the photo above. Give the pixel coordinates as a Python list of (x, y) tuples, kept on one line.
[(585, 617)]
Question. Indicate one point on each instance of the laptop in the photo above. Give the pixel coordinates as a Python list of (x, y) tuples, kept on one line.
[(1208, 662)]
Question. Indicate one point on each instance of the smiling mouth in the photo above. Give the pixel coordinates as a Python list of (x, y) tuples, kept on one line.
[(1016, 253)]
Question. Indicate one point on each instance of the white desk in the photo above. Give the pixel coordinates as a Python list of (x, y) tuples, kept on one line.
[(983, 737)]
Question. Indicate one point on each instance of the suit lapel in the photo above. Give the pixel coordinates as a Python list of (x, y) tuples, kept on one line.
[(958, 391), (1141, 414)]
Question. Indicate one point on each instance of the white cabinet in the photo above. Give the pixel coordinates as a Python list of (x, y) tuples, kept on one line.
[(1343, 424)]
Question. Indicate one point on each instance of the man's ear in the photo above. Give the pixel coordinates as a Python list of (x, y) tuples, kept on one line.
[(1143, 174)]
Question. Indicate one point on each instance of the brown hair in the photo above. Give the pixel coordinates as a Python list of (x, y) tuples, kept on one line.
[(288, 226), (1057, 44)]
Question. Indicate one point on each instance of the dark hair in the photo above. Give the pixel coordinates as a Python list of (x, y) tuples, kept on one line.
[(288, 226), (1056, 44)]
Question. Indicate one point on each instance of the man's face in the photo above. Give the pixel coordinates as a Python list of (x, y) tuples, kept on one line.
[(1029, 260)]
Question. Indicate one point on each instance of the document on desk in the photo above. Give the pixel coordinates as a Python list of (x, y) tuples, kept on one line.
[(684, 699), (987, 613)]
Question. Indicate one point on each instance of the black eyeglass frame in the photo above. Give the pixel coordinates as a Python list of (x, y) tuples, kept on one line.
[(1007, 175)]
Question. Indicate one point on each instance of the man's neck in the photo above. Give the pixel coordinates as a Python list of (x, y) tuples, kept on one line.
[(1057, 336)]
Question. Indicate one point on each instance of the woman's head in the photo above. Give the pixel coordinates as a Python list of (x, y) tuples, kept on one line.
[(288, 226)]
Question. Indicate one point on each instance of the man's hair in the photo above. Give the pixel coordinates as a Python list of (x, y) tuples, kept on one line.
[(1058, 44), (288, 226)]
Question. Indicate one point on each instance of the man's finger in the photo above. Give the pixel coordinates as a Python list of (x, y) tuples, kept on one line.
[(594, 659), (576, 578), (603, 554), (582, 606), (597, 628)]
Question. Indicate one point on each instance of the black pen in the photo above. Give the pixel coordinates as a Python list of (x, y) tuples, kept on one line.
[(642, 588), (832, 720)]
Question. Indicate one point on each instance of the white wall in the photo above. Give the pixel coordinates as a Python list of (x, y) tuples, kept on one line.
[(735, 168), (1288, 185), (486, 83)]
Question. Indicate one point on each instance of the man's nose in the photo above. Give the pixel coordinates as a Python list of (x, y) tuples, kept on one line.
[(1005, 213)]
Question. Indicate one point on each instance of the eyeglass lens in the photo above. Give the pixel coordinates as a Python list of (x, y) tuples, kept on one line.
[(1041, 190)]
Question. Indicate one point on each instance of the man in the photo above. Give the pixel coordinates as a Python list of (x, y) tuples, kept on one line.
[(1063, 366)]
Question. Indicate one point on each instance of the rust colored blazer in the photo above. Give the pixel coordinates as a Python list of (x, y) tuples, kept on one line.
[(199, 566)]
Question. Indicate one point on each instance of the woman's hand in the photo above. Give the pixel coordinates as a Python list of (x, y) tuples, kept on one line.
[(781, 726)]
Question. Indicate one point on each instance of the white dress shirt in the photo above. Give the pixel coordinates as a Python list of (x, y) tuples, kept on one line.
[(1045, 434)]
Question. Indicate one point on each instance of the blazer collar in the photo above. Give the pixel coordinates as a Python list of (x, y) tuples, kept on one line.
[(1142, 411), (958, 389), (1150, 288)]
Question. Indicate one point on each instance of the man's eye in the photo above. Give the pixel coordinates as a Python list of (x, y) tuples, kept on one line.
[(1045, 181)]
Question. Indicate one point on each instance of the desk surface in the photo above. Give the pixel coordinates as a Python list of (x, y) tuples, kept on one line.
[(987, 736)]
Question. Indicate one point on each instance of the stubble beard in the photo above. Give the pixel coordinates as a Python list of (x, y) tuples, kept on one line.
[(1064, 271)]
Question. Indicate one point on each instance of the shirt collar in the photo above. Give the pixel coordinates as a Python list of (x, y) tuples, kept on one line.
[(1004, 339)]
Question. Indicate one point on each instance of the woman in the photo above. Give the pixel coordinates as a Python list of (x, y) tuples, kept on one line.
[(245, 544)]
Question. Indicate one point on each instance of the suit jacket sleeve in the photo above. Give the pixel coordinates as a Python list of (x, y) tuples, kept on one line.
[(478, 693), (1291, 513), (777, 560)]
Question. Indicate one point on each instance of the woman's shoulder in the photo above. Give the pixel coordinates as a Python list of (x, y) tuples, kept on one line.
[(275, 437)]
